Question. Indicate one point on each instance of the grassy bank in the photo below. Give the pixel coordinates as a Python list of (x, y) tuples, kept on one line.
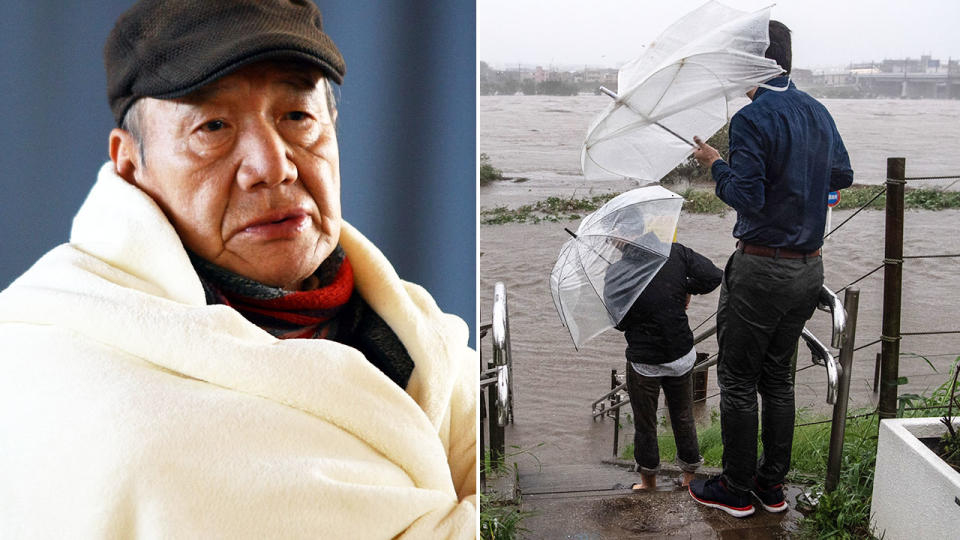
[(704, 201), (500, 516)]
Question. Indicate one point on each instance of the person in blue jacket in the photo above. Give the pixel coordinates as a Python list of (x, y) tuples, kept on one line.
[(786, 155)]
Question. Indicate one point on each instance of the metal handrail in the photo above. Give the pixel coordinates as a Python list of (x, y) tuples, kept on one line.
[(501, 355), (823, 357), (827, 301), (488, 377), (613, 407), (496, 386)]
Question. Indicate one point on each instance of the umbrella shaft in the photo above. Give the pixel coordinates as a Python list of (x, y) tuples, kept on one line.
[(614, 96), (675, 134)]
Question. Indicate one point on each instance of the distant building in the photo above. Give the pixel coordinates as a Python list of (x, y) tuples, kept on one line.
[(924, 64), (920, 78), (914, 78)]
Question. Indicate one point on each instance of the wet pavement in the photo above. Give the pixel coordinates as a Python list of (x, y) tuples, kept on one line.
[(595, 502)]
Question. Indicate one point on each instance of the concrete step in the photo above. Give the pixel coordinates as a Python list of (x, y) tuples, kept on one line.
[(595, 502)]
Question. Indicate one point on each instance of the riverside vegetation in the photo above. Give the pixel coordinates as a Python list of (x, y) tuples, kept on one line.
[(703, 201), (500, 516), (699, 197)]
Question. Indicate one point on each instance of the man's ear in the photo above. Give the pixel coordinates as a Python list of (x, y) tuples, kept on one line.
[(124, 154)]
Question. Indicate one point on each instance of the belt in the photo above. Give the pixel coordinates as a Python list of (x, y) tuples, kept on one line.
[(782, 253)]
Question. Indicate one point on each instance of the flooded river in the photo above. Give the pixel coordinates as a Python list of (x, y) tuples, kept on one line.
[(539, 137)]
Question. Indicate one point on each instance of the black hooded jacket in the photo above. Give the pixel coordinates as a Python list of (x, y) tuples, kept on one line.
[(656, 326)]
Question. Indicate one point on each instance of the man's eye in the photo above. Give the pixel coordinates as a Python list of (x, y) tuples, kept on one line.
[(213, 125), (296, 116)]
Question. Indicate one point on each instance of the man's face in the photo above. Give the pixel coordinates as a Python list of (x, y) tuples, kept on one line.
[(247, 170)]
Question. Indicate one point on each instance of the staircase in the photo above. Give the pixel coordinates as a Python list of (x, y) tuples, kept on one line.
[(595, 502)]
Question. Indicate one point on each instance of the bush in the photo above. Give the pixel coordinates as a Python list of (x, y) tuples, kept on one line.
[(690, 170), (700, 201), (488, 173)]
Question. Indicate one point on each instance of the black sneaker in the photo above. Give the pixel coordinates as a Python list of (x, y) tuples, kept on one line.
[(771, 499), (714, 493)]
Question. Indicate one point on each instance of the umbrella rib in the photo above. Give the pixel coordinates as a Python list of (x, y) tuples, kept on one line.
[(664, 93), (592, 287), (632, 243), (567, 326), (596, 292), (643, 118), (657, 104)]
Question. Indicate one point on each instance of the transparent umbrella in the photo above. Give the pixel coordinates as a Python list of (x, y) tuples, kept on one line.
[(614, 254), (680, 87)]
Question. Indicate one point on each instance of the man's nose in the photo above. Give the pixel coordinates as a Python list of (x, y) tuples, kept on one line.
[(264, 157)]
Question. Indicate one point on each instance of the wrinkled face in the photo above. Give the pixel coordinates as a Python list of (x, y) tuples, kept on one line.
[(246, 169)]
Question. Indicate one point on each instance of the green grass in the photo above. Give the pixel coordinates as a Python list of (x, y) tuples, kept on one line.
[(856, 196), (810, 445), (501, 517), (919, 199), (844, 513), (500, 520), (931, 199)]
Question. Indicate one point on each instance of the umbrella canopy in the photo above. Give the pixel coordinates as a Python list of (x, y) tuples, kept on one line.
[(616, 252), (678, 88)]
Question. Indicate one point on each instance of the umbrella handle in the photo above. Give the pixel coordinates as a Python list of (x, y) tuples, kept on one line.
[(609, 92), (571, 233)]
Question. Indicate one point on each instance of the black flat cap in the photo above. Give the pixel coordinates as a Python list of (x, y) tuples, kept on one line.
[(168, 48)]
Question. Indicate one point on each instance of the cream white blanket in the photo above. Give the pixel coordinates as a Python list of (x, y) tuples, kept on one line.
[(131, 409)]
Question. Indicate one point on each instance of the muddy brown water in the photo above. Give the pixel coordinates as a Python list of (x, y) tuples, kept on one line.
[(555, 384)]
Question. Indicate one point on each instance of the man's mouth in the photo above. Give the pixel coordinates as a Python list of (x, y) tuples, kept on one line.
[(278, 225)]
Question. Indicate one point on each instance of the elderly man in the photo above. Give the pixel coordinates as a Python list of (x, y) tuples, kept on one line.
[(785, 156), (216, 353)]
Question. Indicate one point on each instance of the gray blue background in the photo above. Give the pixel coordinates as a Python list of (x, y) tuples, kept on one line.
[(407, 131)]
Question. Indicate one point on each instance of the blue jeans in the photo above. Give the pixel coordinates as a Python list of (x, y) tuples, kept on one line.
[(644, 395), (764, 304)]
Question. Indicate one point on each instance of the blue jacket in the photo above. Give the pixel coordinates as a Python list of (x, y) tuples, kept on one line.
[(785, 157)]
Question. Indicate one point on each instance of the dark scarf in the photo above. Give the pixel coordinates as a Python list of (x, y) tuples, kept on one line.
[(329, 311)]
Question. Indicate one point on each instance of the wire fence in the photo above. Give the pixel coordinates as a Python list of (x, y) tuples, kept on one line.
[(869, 273), (914, 178)]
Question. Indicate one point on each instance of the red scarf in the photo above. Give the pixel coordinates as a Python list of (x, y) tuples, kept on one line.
[(285, 314)]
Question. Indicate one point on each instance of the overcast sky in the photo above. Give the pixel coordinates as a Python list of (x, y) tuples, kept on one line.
[(568, 33)]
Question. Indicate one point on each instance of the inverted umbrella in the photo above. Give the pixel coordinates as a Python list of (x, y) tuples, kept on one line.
[(680, 87), (614, 254)]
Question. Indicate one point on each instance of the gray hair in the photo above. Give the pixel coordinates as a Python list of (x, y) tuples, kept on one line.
[(133, 118)]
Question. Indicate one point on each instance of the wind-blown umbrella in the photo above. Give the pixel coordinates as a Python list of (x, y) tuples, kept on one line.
[(678, 88), (614, 254)]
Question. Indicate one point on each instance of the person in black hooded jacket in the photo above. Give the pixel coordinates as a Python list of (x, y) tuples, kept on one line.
[(660, 353)]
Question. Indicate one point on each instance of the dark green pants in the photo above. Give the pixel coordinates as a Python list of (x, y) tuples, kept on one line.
[(764, 304)]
